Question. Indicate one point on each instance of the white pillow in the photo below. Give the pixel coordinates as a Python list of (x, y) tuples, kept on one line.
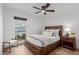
[(44, 32), (55, 32), (47, 33), (51, 32)]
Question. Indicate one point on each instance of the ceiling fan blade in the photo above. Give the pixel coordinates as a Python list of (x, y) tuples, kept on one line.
[(46, 6), (44, 13), (50, 10), (37, 12), (36, 8)]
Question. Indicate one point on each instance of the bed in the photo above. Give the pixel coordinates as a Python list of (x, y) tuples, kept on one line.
[(41, 44)]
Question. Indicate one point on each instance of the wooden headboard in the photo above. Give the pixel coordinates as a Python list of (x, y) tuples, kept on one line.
[(56, 27)]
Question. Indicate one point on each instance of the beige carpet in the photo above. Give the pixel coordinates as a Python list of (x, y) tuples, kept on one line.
[(22, 50)]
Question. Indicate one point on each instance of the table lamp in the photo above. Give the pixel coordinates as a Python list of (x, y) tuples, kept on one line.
[(67, 31)]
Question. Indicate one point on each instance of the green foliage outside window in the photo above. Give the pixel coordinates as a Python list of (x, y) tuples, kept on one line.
[(20, 37)]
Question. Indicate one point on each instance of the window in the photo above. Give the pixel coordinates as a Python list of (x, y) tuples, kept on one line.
[(20, 30)]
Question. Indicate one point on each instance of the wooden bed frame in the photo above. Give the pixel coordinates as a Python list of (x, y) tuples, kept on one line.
[(45, 50)]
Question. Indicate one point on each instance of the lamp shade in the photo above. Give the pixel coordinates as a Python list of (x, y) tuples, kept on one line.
[(67, 29)]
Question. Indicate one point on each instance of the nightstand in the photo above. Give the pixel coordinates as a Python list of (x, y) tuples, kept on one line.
[(69, 42)]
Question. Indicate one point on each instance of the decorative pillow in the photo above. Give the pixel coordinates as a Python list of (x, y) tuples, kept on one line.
[(55, 32)]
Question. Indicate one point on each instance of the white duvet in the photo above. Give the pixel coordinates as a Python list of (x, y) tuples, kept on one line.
[(42, 40)]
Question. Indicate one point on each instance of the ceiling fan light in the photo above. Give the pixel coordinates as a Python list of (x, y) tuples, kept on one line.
[(43, 11)]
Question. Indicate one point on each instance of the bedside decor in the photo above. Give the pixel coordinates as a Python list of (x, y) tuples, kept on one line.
[(72, 34)]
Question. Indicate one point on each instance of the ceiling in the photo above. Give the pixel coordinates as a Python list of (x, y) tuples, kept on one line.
[(28, 7), (25, 6)]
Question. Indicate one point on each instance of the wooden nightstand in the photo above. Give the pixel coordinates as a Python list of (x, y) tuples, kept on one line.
[(69, 42)]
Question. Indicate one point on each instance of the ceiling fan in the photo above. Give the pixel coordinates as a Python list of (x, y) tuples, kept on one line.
[(43, 9)]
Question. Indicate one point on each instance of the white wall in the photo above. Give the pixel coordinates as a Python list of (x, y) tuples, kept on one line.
[(66, 14), (33, 24), (1, 19)]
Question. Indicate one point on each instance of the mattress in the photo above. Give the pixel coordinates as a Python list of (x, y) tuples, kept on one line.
[(42, 40)]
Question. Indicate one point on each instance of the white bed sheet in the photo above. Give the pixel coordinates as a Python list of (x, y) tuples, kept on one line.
[(43, 40)]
